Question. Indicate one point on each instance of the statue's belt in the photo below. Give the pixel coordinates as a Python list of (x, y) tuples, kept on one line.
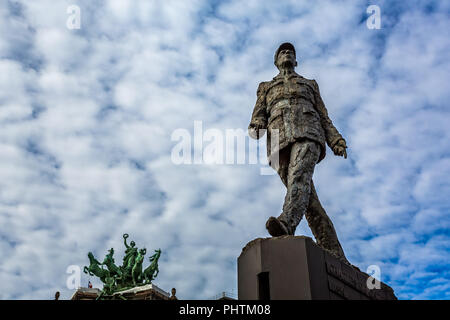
[(286, 102), (276, 108)]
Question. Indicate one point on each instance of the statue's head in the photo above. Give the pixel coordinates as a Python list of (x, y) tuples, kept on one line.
[(132, 243), (143, 251), (285, 55), (174, 291)]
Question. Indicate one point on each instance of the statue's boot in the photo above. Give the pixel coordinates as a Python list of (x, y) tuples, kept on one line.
[(277, 227)]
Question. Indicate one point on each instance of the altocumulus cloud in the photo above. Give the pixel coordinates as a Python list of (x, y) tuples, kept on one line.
[(87, 115)]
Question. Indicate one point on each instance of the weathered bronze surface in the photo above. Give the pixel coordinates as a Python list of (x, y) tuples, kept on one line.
[(291, 110)]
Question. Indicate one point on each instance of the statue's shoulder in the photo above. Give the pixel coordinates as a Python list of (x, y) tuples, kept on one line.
[(308, 81), (262, 87), (311, 82), (266, 85)]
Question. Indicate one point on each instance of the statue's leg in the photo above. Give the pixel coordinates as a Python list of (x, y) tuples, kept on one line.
[(283, 164), (303, 157), (273, 225), (321, 226)]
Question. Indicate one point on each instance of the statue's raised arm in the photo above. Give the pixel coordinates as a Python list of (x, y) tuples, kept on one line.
[(125, 236)]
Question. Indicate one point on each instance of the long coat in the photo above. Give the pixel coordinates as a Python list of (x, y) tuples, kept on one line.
[(293, 105)]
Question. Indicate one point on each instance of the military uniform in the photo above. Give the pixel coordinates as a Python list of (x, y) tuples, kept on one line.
[(290, 107)]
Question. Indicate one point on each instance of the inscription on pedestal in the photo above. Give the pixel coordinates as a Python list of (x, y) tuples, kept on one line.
[(357, 280)]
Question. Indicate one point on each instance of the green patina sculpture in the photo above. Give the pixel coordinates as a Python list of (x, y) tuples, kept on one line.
[(128, 275), (94, 268), (114, 270), (130, 255), (152, 270), (136, 271)]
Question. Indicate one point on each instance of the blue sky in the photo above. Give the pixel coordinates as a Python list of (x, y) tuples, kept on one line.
[(87, 117)]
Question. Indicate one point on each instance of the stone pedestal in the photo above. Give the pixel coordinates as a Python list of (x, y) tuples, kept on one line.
[(295, 268)]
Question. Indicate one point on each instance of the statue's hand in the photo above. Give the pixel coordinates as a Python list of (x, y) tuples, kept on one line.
[(339, 148), (256, 131)]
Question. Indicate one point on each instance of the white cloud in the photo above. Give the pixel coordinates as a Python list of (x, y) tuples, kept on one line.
[(87, 117)]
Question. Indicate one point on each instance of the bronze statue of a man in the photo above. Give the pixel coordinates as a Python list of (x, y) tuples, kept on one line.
[(291, 109)]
